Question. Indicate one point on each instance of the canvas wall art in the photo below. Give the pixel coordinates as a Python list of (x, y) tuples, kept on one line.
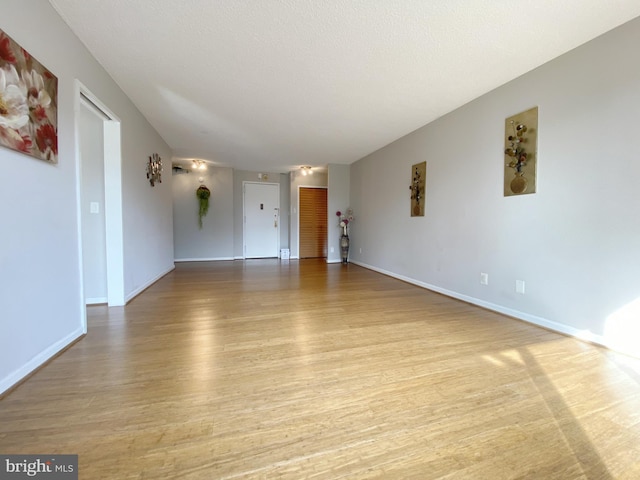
[(28, 103), (521, 152)]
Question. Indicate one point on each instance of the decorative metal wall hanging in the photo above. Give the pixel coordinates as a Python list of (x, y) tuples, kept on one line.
[(154, 169), (520, 142), (417, 187), (28, 103)]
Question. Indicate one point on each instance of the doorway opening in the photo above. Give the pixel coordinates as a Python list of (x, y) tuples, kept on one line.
[(98, 148)]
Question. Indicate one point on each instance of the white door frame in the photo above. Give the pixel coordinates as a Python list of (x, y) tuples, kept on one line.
[(113, 200), (244, 217)]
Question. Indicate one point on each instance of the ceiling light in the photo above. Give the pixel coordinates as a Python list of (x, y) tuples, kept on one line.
[(306, 170), (198, 165)]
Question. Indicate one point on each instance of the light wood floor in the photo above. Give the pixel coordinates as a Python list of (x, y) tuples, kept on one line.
[(262, 369)]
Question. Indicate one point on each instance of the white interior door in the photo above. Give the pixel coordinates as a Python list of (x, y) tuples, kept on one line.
[(261, 220)]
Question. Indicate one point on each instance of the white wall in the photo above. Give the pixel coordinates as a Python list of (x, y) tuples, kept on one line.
[(221, 237), (574, 243), (215, 240), (147, 211), (41, 304)]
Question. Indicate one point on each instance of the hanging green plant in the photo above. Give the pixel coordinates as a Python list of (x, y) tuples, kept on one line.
[(203, 194)]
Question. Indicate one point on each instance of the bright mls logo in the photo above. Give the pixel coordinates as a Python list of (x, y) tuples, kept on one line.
[(50, 467)]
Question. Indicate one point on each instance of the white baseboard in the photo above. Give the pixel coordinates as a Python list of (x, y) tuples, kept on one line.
[(334, 261), (95, 300), (212, 259), (16, 376), (584, 335), (219, 259), (142, 288)]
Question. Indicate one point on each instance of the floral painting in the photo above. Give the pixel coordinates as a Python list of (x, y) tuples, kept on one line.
[(28, 103)]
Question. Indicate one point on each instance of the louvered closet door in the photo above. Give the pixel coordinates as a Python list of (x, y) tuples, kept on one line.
[(313, 222)]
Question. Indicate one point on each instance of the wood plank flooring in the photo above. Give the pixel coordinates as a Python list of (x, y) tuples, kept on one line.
[(300, 369)]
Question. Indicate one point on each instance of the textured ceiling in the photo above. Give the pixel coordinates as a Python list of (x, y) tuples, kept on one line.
[(269, 85)]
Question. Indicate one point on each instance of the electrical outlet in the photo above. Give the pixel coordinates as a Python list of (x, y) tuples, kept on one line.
[(360, 250), (331, 249), (520, 286), (484, 279), (94, 207)]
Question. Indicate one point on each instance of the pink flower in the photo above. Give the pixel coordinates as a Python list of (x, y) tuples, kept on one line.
[(47, 140), (13, 139), (344, 219), (27, 55), (5, 49), (40, 113), (37, 95), (14, 111)]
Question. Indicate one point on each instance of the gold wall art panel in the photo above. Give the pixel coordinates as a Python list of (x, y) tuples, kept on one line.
[(418, 190), (521, 153)]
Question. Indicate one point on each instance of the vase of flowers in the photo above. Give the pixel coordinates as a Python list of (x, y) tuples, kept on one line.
[(344, 219)]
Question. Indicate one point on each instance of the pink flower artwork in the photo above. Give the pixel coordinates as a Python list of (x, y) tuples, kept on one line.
[(28, 103)]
